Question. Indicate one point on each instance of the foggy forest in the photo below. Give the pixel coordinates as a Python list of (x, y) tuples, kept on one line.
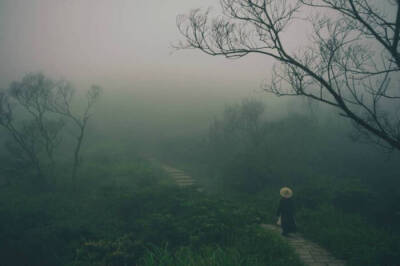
[(199, 132)]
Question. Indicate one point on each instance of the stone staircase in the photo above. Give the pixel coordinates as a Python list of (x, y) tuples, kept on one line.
[(309, 252), (179, 176)]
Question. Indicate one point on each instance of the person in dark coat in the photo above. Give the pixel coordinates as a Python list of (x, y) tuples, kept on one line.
[(286, 211)]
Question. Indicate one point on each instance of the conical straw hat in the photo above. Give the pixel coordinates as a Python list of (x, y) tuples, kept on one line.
[(286, 192)]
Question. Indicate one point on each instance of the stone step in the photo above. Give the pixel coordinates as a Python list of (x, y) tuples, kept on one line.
[(182, 178), (185, 185), (184, 181), (170, 169), (175, 172), (310, 253)]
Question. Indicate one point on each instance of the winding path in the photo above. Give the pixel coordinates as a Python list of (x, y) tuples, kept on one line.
[(310, 253)]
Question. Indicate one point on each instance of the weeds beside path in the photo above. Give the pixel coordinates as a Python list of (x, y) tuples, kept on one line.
[(310, 253)]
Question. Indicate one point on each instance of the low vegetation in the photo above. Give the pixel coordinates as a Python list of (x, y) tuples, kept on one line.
[(345, 193), (134, 216), (124, 210)]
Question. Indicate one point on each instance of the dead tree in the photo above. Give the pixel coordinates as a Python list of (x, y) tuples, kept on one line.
[(25, 114), (33, 111), (62, 105), (352, 61)]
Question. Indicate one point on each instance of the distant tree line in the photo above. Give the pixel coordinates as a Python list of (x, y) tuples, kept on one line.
[(246, 151)]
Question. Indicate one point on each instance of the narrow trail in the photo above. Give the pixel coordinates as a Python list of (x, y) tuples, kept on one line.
[(310, 253), (179, 176)]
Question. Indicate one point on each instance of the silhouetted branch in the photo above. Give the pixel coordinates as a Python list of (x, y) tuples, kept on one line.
[(338, 67)]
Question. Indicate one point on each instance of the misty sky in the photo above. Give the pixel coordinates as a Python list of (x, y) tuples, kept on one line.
[(118, 43)]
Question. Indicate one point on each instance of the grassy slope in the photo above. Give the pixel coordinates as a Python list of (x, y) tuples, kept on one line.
[(347, 235), (127, 213)]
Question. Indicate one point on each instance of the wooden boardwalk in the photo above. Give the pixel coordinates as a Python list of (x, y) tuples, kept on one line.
[(310, 253)]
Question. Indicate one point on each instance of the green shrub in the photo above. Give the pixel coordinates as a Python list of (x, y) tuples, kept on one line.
[(350, 236), (252, 247)]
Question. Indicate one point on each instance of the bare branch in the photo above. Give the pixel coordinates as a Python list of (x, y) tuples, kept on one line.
[(340, 66)]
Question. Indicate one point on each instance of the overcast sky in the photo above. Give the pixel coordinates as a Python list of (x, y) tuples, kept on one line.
[(115, 43), (127, 44)]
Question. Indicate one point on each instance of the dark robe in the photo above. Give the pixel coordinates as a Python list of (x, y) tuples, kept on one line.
[(286, 211)]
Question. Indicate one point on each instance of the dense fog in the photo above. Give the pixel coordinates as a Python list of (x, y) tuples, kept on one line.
[(123, 142)]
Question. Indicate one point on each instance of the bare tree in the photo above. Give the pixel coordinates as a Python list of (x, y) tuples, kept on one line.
[(25, 115), (62, 105), (33, 94), (33, 112), (351, 63)]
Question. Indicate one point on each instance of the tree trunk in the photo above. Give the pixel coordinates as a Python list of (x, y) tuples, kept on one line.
[(76, 158)]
